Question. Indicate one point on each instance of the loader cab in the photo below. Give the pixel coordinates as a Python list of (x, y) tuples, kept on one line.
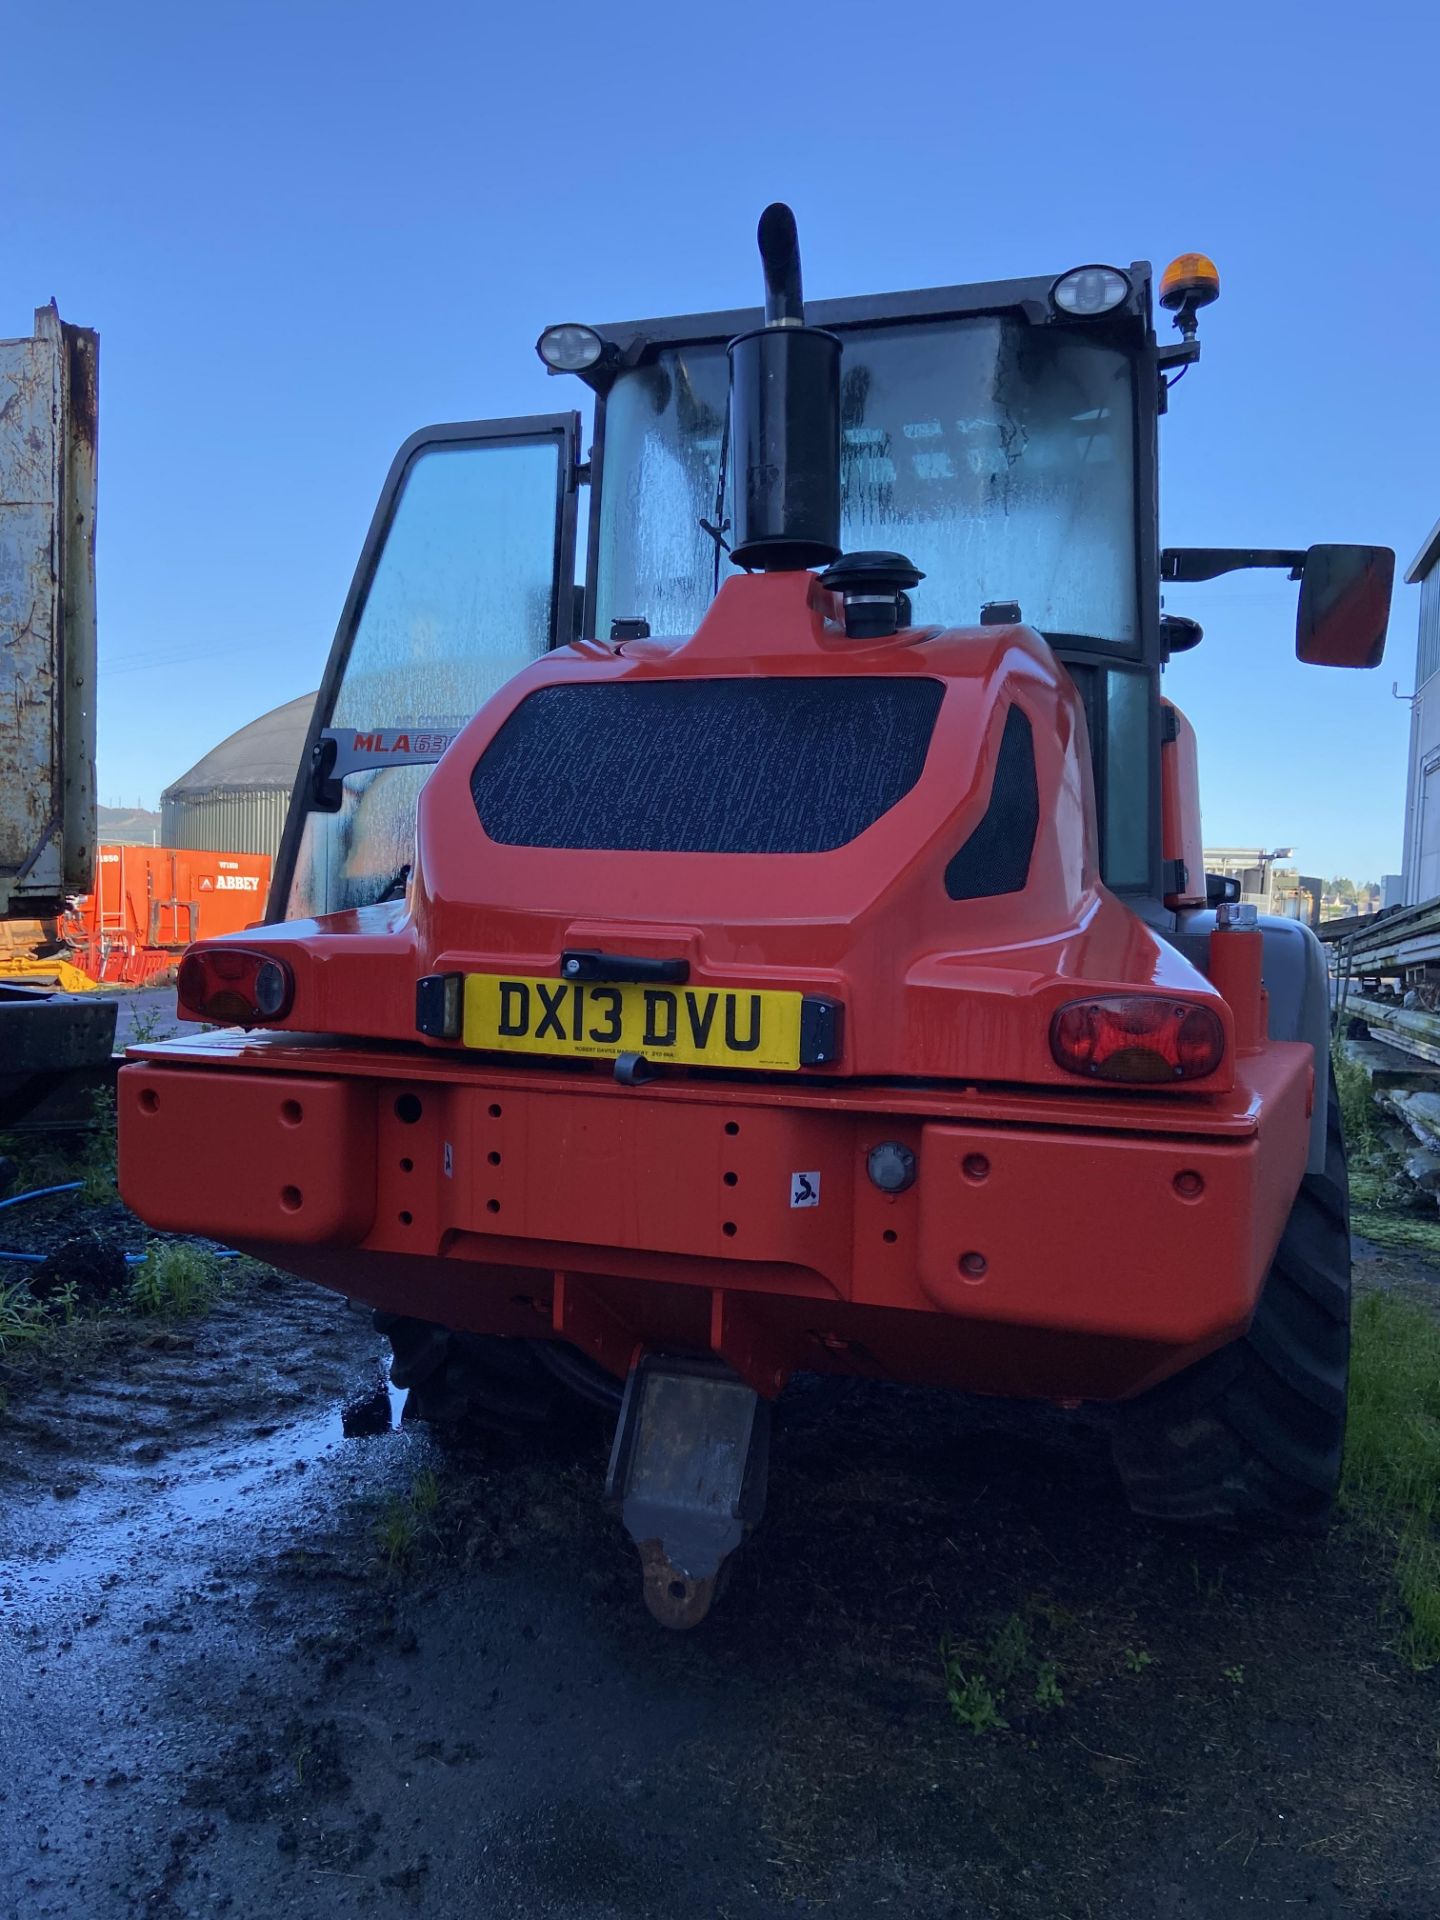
[(1004, 442)]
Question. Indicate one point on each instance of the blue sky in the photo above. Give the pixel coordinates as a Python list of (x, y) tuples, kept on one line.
[(304, 230)]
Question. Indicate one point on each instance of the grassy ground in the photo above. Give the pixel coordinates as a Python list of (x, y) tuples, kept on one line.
[(1392, 1450), (97, 1261), (1392, 1453)]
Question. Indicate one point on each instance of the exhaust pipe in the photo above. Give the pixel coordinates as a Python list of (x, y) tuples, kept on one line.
[(785, 420)]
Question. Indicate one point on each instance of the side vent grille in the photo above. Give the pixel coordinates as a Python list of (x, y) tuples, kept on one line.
[(996, 857)]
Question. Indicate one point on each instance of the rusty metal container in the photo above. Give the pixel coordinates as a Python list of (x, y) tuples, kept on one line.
[(48, 417)]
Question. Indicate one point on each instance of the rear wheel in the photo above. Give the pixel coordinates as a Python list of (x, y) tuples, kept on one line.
[(458, 1378), (1251, 1436)]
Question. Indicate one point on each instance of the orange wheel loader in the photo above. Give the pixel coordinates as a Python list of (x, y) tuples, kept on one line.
[(790, 951)]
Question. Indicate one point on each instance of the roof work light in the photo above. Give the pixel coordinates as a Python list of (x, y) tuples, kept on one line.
[(1086, 292), (569, 348)]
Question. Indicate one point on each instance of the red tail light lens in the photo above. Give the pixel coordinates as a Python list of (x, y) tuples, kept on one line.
[(234, 986), (1137, 1038)]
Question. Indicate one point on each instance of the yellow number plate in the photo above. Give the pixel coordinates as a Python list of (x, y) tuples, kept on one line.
[(693, 1026)]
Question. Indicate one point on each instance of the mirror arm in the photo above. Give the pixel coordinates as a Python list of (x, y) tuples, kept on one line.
[(1208, 563)]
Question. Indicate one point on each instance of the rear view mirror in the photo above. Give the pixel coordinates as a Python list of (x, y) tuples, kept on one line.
[(1344, 606)]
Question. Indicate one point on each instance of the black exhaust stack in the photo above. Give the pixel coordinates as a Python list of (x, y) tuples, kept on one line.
[(785, 420)]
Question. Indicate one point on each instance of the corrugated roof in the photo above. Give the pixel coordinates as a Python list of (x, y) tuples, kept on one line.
[(266, 753), (1427, 556)]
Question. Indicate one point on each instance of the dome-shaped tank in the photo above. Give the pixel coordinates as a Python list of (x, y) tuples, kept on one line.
[(235, 798)]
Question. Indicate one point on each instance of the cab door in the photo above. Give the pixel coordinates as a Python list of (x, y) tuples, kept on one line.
[(466, 575)]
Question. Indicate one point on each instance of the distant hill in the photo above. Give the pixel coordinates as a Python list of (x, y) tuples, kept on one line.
[(128, 826)]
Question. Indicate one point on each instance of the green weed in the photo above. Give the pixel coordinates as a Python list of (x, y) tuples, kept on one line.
[(38, 1163), (1392, 1452), (146, 1026), (1235, 1675), (1357, 1102), (977, 1683), (21, 1316), (1047, 1686), (64, 1303), (396, 1532), (1137, 1659), (406, 1521), (1010, 1649), (97, 1164), (174, 1278), (971, 1698)]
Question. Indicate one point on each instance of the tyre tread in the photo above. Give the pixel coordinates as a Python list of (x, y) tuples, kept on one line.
[(1252, 1436)]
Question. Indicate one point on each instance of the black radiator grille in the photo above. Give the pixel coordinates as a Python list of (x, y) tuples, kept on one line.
[(776, 765)]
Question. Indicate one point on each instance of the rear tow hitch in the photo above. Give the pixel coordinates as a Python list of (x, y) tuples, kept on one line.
[(688, 1469)]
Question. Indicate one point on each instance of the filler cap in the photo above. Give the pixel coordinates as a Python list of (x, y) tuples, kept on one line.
[(875, 588)]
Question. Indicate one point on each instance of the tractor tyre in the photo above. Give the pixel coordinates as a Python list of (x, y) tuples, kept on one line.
[(1251, 1436), (454, 1379)]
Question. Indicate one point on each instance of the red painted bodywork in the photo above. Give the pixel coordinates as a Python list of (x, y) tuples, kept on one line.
[(1058, 1240)]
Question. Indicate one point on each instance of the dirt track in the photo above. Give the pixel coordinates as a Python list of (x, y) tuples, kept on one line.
[(215, 1696)]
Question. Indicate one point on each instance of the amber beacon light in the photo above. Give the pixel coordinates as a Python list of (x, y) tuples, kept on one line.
[(1191, 279)]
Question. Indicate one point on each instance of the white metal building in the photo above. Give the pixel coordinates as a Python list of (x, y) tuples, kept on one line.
[(1422, 791)]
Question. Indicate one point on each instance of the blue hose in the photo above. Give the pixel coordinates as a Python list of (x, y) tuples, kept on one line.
[(41, 1193), (70, 1186), (131, 1259)]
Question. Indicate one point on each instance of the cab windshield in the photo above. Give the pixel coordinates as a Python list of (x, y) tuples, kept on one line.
[(998, 456)]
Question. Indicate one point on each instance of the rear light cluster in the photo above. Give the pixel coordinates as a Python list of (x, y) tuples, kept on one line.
[(1137, 1038), (234, 986)]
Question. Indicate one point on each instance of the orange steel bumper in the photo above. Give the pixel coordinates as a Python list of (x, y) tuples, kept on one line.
[(1030, 1256)]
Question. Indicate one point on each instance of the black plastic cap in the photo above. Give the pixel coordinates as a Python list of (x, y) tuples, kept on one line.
[(875, 572)]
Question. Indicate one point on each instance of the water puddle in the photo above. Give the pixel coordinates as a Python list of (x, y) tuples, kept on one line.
[(167, 1519)]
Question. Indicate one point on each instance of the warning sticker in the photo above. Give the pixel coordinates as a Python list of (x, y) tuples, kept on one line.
[(804, 1189)]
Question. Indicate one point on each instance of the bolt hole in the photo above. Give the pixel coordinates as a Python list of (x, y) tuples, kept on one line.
[(732, 1126), (149, 1101), (729, 1229), (731, 1179), (406, 1218), (291, 1199), (492, 1206), (493, 1158), (975, 1166), (407, 1166), (495, 1113), (677, 1589), (1189, 1184), (889, 1236), (291, 1113), (408, 1109), (974, 1266)]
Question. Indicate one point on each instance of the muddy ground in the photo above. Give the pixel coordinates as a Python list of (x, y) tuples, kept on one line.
[(263, 1653)]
